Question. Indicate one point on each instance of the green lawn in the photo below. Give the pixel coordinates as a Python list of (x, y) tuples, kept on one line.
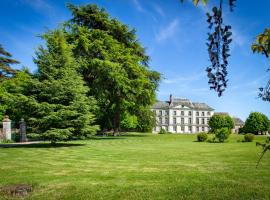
[(142, 166)]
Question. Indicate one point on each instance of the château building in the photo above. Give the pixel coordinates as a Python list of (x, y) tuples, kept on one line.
[(179, 115)]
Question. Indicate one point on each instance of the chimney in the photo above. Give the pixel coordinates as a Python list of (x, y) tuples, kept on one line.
[(170, 100)]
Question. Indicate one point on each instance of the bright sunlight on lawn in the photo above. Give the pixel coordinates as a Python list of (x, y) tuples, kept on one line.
[(139, 166)]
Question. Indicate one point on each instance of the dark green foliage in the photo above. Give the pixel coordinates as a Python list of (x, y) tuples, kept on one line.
[(218, 50), (256, 123), (222, 134), (220, 121), (202, 137), (162, 131), (146, 119), (249, 137), (5, 62), (113, 64), (63, 110)]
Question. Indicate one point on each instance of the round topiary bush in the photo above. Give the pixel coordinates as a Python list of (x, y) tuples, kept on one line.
[(222, 134), (201, 137), (249, 137)]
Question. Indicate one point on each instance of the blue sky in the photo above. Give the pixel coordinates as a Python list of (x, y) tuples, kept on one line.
[(174, 35)]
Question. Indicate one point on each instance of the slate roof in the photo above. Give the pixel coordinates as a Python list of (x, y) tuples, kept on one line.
[(238, 121), (181, 101)]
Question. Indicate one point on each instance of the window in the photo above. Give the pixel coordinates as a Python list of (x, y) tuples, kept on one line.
[(182, 113), (197, 129), (174, 128), (197, 114), (160, 120), (208, 120), (203, 121), (167, 112), (189, 113), (166, 128), (202, 128), (174, 120), (160, 112), (208, 113), (190, 128), (189, 120), (197, 121), (174, 112), (202, 113), (182, 120), (166, 120), (182, 128)]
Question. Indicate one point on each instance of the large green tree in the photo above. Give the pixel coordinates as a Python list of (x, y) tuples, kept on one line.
[(256, 123), (220, 121), (63, 109), (113, 63), (5, 61)]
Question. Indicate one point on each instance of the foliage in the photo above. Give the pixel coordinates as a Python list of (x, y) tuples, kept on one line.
[(218, 50), (218, 42), (162, 131), (56, 135), (113, 64), (256, 123), (129, 122), (5, 62), (16, 98), (201, 137), (220, 121), (63, 107), (262, 46), (222, 134), (146, 119), (265, 146), (249, 137), (6, 141)]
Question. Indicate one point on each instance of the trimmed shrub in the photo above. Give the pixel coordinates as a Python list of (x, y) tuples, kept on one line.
[(162, 131), (201, 137), (222, 134), (249, 137)]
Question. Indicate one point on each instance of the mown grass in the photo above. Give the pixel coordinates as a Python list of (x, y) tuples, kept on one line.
[(140, 166)]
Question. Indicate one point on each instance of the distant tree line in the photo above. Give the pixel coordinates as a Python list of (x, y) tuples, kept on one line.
[(93, 75)]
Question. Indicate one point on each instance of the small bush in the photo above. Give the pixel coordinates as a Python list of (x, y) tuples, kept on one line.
[(222, 134), (162, 131), (6, 141), (201, 137), (249, 137)]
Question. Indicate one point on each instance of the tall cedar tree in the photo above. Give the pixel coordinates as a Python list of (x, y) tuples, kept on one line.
[(64, 110), (5, 62), (112, 62)]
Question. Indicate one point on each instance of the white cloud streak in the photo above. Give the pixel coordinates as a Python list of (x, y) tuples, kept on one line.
[(138, 6), (169, 31)]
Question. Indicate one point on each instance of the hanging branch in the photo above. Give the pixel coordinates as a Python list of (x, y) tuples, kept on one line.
[(218, 50)]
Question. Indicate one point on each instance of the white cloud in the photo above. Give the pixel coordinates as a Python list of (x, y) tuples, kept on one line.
[(168, 31), (37, 4), (184, 79), (138, 6), (159, 10)]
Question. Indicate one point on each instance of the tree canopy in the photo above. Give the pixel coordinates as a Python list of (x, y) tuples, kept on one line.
[(5, 62), (220, 121), (112, 62), (256, 123)]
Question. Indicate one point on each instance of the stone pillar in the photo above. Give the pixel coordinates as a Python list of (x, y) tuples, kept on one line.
[(7, 128), (23, 131)]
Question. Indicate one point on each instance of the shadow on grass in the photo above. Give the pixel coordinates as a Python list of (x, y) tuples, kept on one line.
[(40, 145)]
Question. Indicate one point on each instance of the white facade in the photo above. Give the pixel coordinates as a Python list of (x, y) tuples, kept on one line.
[(182, 116)]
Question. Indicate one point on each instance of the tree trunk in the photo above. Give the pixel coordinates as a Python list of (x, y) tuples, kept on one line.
[(116, 125)]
